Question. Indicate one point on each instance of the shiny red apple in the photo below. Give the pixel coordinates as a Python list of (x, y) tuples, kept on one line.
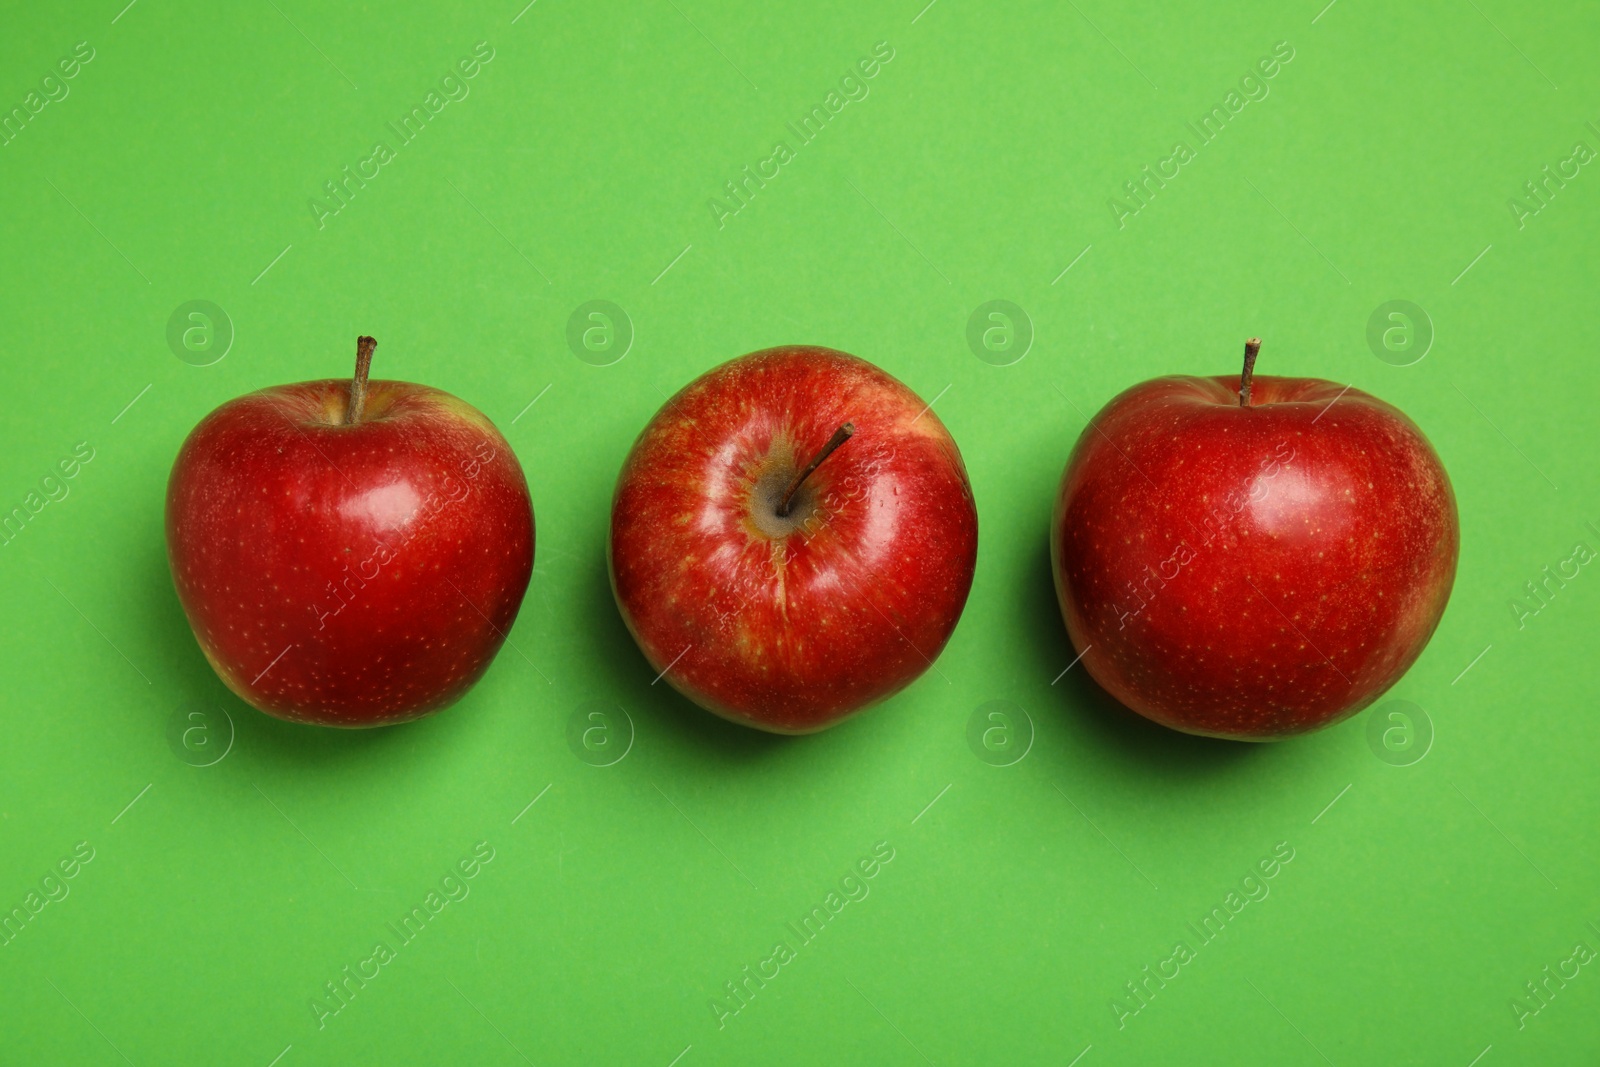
[(349, 553), (792, 538), (1251, 558)]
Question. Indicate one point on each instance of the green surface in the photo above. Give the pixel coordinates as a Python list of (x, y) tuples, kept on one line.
[(180, 165)]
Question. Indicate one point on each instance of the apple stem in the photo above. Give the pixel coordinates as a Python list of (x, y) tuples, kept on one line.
[(358, 384), (1251, 347), (840, 436)]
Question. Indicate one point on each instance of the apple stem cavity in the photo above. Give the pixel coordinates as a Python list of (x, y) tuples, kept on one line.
[(358, 384), (1251, 348), (840, 436)]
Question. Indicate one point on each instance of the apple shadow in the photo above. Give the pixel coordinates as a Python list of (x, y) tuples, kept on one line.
[(689, 726), (280, 744), (1117, 731)]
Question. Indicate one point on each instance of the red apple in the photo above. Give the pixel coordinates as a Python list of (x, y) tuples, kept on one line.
[(792, 538), (1251, 559), (349, 553)]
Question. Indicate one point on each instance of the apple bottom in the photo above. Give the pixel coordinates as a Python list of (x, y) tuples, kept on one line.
[(1239, 656), (341, 712), (854, 660)]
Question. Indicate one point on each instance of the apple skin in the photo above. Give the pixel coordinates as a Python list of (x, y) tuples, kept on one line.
[(1251, 573), (791, 625), (354, 575)]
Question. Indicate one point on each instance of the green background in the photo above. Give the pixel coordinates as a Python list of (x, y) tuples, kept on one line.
[(221, 898)]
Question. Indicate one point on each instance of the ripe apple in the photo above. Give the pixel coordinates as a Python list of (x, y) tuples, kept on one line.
[(792, 538), (349, 553), (1251, 558)]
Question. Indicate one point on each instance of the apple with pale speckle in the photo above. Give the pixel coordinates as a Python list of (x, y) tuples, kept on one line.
[(349, 552), (1251, 558), (793, 538)]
